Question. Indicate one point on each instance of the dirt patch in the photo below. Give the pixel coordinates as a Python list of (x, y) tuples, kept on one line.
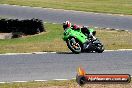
[(6, 35)]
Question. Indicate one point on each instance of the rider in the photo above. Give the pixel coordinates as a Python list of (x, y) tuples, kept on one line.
[(85, 30)]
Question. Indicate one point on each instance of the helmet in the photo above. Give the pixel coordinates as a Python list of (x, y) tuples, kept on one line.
[(66, 24)]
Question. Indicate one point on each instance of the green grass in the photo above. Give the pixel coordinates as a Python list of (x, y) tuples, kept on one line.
[(38, 84), (115, 39), (51, 40), (62, 84), (106, 6)]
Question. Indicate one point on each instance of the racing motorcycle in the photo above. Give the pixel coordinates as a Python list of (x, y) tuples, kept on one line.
[(78, 42)]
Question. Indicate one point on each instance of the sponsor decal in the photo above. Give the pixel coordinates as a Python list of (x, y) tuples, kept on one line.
[(83, 78)]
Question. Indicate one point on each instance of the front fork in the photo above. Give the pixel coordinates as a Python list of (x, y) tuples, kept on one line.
[(73, 40)]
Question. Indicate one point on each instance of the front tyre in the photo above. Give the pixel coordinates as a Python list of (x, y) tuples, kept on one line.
[(74, 45)]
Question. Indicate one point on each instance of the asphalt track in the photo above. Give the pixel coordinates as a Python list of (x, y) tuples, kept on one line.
[(58, 16), (51, 66)]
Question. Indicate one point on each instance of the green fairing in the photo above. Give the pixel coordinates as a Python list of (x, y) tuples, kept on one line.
[(74, 33)]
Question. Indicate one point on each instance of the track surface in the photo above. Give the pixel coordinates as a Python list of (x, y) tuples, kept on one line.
[(58, 16), (62, 65)]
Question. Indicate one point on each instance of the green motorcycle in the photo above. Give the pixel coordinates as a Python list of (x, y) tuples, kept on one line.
[(78, 42)]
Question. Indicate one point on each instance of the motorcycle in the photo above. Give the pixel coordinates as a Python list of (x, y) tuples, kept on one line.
[(78, 42)]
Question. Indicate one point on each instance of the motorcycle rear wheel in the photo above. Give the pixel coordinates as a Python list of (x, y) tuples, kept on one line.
[(99, 48)]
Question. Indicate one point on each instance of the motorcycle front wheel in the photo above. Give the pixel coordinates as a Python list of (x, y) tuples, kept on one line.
[(74, 45)]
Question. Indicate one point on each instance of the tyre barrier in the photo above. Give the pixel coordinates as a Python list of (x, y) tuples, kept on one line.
[(27, 26)]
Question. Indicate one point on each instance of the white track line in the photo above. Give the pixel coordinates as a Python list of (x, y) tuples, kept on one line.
[(60, 79), (108, 28), (19, 81), (109, 50), (96, 27), (39, 52), (117, 29), (125, 49), (56, 52), (37, 81), (118, 50), (23, 53), (3, 82), (40, 80)]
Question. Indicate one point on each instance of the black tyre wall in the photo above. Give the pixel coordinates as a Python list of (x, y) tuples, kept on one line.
[(28, 26)]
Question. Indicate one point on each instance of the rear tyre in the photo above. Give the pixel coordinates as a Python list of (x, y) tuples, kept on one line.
[(74, 45), (99, 48)]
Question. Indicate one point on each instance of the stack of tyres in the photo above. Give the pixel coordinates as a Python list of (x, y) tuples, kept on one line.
[(3, 25), (12, 25), (40, 25), (28, 26)]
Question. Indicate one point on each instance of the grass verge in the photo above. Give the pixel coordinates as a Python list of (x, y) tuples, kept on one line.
[(106, 6), (52, 41), (62, 84)]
